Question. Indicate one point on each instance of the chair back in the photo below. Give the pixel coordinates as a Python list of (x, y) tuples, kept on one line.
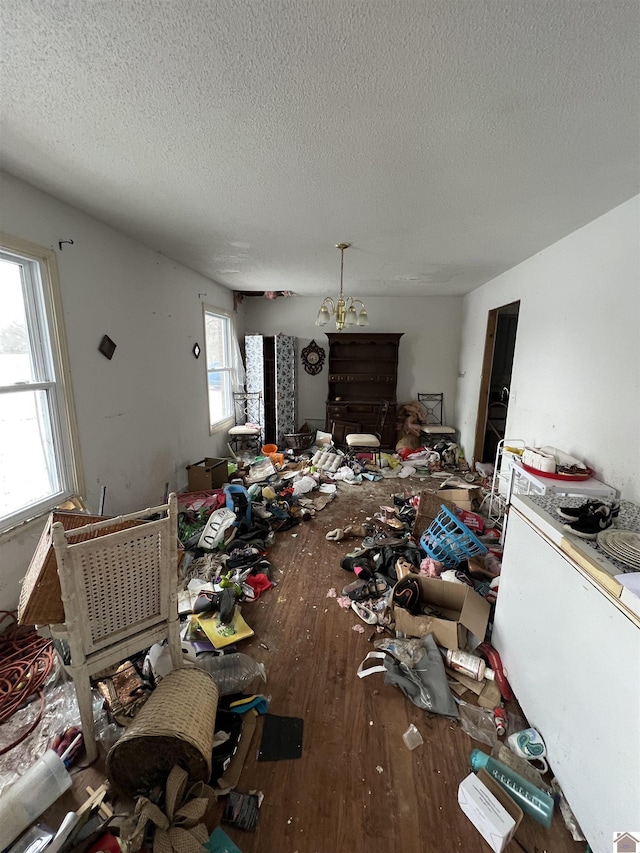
[(120, 584), (247, 407), (433, 405), (382, 417)]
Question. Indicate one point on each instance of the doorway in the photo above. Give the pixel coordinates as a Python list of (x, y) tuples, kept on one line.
[(495, 383)]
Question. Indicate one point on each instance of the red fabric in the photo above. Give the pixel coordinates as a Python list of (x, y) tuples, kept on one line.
[(258, 583), (214, 499)]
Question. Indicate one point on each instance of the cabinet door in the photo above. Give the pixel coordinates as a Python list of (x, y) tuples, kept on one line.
[(285, 348), (572, 657), (254, 369)]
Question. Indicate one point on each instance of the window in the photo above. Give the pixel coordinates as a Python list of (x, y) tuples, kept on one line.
[(37, 460), (219, 353)]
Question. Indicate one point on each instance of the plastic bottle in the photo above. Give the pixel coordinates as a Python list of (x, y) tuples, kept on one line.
[(534, 802), (469, 664), (232, 673), (31, 794), (520, 766)]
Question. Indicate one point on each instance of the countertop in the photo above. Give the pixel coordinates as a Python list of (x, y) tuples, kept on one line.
[(602, 568)]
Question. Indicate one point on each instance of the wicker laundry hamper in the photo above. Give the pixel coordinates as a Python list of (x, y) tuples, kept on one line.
[(175, 726)]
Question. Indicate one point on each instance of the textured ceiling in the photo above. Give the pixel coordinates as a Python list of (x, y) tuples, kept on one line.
[(447, 141)]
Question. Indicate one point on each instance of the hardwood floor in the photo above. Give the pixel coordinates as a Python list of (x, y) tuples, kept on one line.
[(356, 788)]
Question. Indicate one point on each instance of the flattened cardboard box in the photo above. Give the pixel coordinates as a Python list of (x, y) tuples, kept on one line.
[(465, 498), (457, 610), (428, 509)]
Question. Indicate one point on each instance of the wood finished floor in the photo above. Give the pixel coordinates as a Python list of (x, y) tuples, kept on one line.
[(356, 788)]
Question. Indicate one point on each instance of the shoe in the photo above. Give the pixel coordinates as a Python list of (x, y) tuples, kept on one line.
[(350, 564), (364, 613), (406, 594), (591, 523), (206, 602), (227, 605), (572, 513), (354, 586)]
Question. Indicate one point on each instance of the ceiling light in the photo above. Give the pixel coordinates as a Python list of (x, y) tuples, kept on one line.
[(343, 308)]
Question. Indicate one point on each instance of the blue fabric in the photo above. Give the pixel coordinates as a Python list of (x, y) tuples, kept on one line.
[(219, 842), (259, 703)]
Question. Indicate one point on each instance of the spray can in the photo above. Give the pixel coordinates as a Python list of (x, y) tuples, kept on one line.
[(500, 720)]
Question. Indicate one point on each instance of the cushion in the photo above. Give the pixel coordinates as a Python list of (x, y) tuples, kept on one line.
[(437, 429), (364, 439), (244, 430)]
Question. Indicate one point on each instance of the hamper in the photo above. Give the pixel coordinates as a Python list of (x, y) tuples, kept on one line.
[(175, 726)]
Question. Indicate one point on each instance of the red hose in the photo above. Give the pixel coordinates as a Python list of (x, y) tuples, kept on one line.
[(493, 658), (26, 660)]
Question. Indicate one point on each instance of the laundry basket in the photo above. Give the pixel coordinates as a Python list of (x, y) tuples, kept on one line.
[(175, 726), (450, 541)]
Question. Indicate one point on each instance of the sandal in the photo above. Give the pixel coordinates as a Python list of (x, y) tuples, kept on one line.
[(404, 567), (379, 583), (354, 586)]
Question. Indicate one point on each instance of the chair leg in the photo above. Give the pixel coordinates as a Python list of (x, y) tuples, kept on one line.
[(175, 644), (82, 685)]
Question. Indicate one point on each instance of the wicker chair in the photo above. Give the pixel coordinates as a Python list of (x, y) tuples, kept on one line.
[(119, 592)]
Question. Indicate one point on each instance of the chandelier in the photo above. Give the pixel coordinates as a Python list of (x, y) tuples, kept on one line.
[(344, 308)]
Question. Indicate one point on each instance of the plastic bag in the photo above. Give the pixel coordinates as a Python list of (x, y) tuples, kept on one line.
[(425, 683), (407, 651), (232, 673), (477, 723)]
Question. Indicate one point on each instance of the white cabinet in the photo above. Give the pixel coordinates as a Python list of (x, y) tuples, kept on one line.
[(572, 654)]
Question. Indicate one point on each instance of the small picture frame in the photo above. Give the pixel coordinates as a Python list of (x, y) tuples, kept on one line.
[(107, 347)]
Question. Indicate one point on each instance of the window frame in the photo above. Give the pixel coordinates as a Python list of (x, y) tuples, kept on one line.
[(220, 313), (48, 347)]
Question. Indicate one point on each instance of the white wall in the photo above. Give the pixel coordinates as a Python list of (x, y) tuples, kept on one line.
[(576, 370), (142, 417), (428, 353)]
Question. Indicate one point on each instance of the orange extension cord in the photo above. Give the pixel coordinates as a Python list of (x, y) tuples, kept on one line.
[(26, 660)]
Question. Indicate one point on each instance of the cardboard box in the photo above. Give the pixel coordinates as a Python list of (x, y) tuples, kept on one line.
[(468, 498), (490, 809), (208, 473), (473, 520), (457, 610)]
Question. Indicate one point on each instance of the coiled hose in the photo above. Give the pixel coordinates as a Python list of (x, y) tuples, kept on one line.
[(26, 660)]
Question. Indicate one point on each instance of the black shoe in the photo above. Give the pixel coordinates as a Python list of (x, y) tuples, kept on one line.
[(573, 513), (206, 602), (227, 605), (591, 523), (349, 564)]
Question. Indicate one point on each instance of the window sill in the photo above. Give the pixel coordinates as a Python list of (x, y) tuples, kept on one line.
[(221, 426)]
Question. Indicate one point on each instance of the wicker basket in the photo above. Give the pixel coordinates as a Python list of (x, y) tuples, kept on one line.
[(300, 440), (175, 726)]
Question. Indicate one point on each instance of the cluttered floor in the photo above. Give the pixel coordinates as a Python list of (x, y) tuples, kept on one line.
[(335, 771)]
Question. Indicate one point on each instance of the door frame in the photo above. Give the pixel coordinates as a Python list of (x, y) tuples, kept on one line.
[(485, 378)]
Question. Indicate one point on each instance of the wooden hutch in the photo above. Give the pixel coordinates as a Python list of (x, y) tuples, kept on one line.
[(363, 371)]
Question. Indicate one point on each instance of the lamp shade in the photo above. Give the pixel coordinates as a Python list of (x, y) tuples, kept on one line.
[(323, 316)]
